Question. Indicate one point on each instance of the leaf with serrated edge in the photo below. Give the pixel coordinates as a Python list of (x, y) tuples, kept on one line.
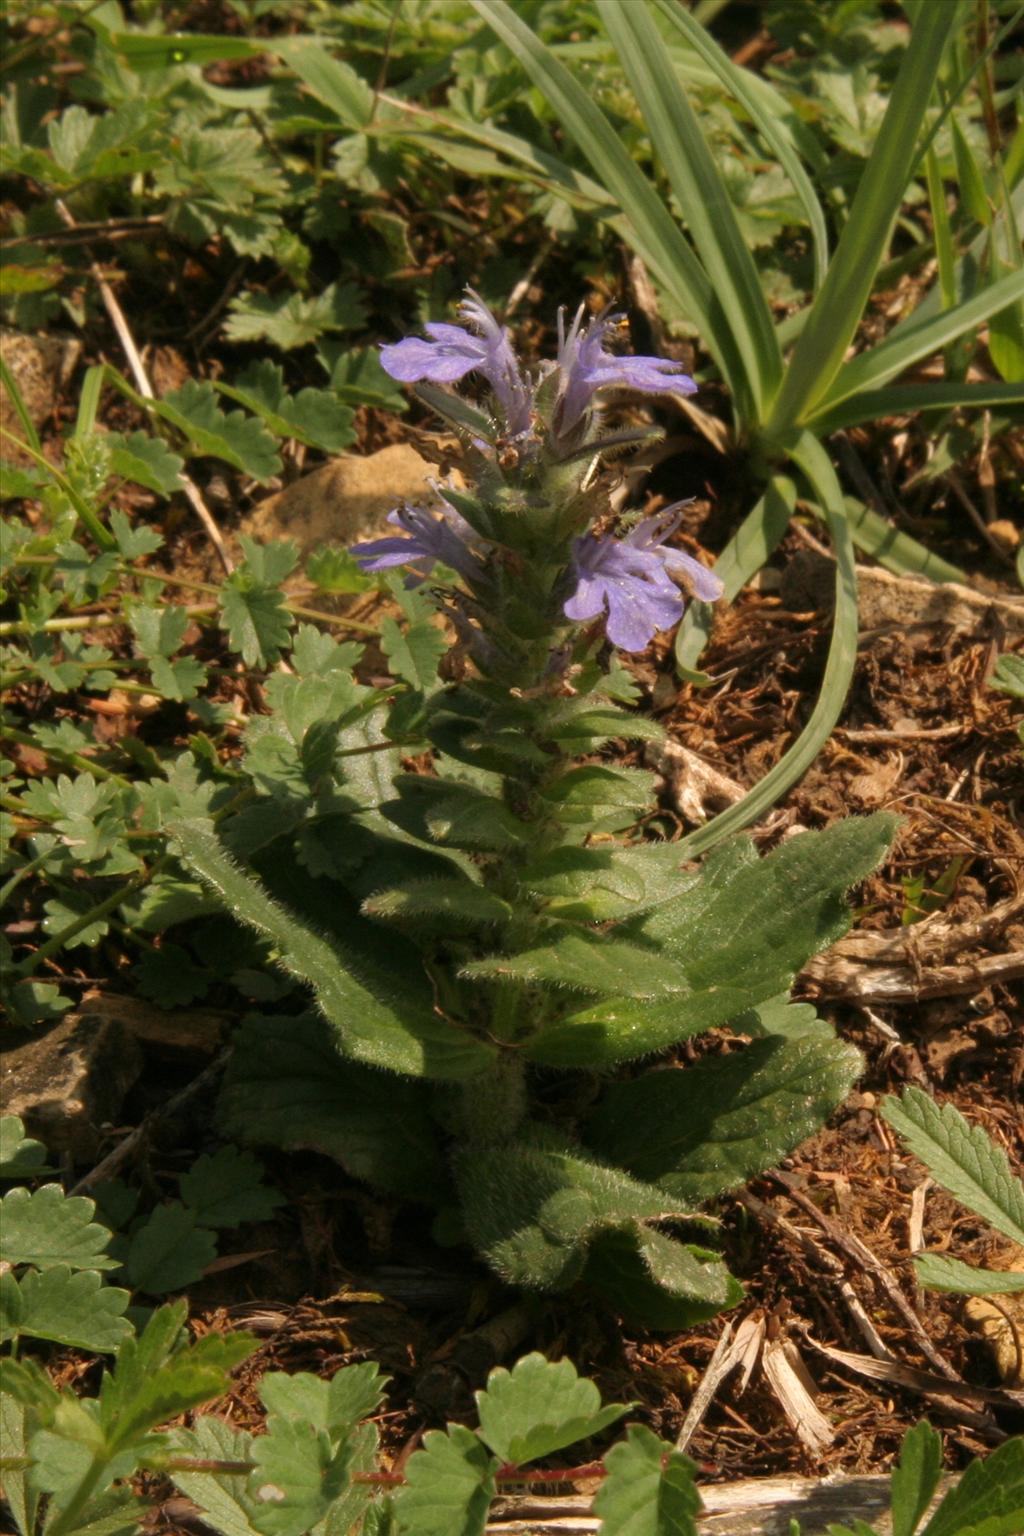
[(73, 1308), (540, 1406), (915, 1477), (227, 1189), (960, 1157), (939, 1272), (414, 654), (238, 439), (222, 1496), (658, 1282), (649, 1489), (383, 1021), (710, 1126), (49, 1227), (298, 1476), (20, 1156), (169, 1251), (586, 962), (449, 1486), (989, 1498)]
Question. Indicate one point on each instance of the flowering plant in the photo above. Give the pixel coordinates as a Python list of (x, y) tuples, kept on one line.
[(479, 931)]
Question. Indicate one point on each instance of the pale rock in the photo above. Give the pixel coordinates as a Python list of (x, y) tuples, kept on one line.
[(40, 367), (68, 1083)]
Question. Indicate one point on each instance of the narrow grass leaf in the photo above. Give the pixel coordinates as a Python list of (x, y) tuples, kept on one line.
[(701, 191)]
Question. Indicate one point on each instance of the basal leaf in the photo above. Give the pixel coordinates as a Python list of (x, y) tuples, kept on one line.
[(449, 1486), (227, 1189), (239, 440), (533, 1209), (441, 904), (287, 1086), (587, 962), (458, 815), (48, 1228), (70, 1308), (538, 1407), (960, 1157), (658, 1282), (710, 1126), (649, 1489), (380, 1019)]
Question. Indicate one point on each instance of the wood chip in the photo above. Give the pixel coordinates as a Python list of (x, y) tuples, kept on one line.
[(790, 1380)]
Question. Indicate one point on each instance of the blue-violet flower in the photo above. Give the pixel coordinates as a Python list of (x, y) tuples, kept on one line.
[(585, 368), (448, 538), (628, 580), (454, 351)]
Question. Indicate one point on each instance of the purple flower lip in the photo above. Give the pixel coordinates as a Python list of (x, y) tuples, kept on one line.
[(447, 537), (627, 580), (453, 351), (586, 367)]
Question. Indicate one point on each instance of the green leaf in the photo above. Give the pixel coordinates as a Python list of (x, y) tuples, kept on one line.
[(970, 185), (593, 790), (839, 304), (227, 1189), (312, 416), (586, 962), (20, 1156), (656, 1282), (239, 440), (352, 1394), (67, 1308), (22, 1499), (154, 1380), (532, 1210), (449, 1486), (1008, 676), (380, 1019), (989, 1498), (133, 542), (146, 461), (298, 1476), (170, 977), (441, 904), (256, 619), (169, 1251), (539, 1407), (582, 725), (292, 320), (960, 1157), (48, 1228), (915, 1478), (222, 1497), (710, 1126), (938, 1272), (649, 1489), (414, 654), (287, 1086), (701, 192), (435, 810), (328, 79)]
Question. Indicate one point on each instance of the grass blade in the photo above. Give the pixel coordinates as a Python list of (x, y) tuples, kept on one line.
[(915, 339), (701, 192), (658, 239), (896, 551), (767, 111), (906, 399), (835, 314), (748, 549), (812, 459)]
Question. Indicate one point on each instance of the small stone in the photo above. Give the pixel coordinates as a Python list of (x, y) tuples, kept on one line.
[(67, 1083), (40, 367)]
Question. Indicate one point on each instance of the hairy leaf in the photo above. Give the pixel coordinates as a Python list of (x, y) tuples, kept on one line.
[(657, 1282), (712, 1125), (378, 1019), (443, 904), (939, 1272), (287, 1086)]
